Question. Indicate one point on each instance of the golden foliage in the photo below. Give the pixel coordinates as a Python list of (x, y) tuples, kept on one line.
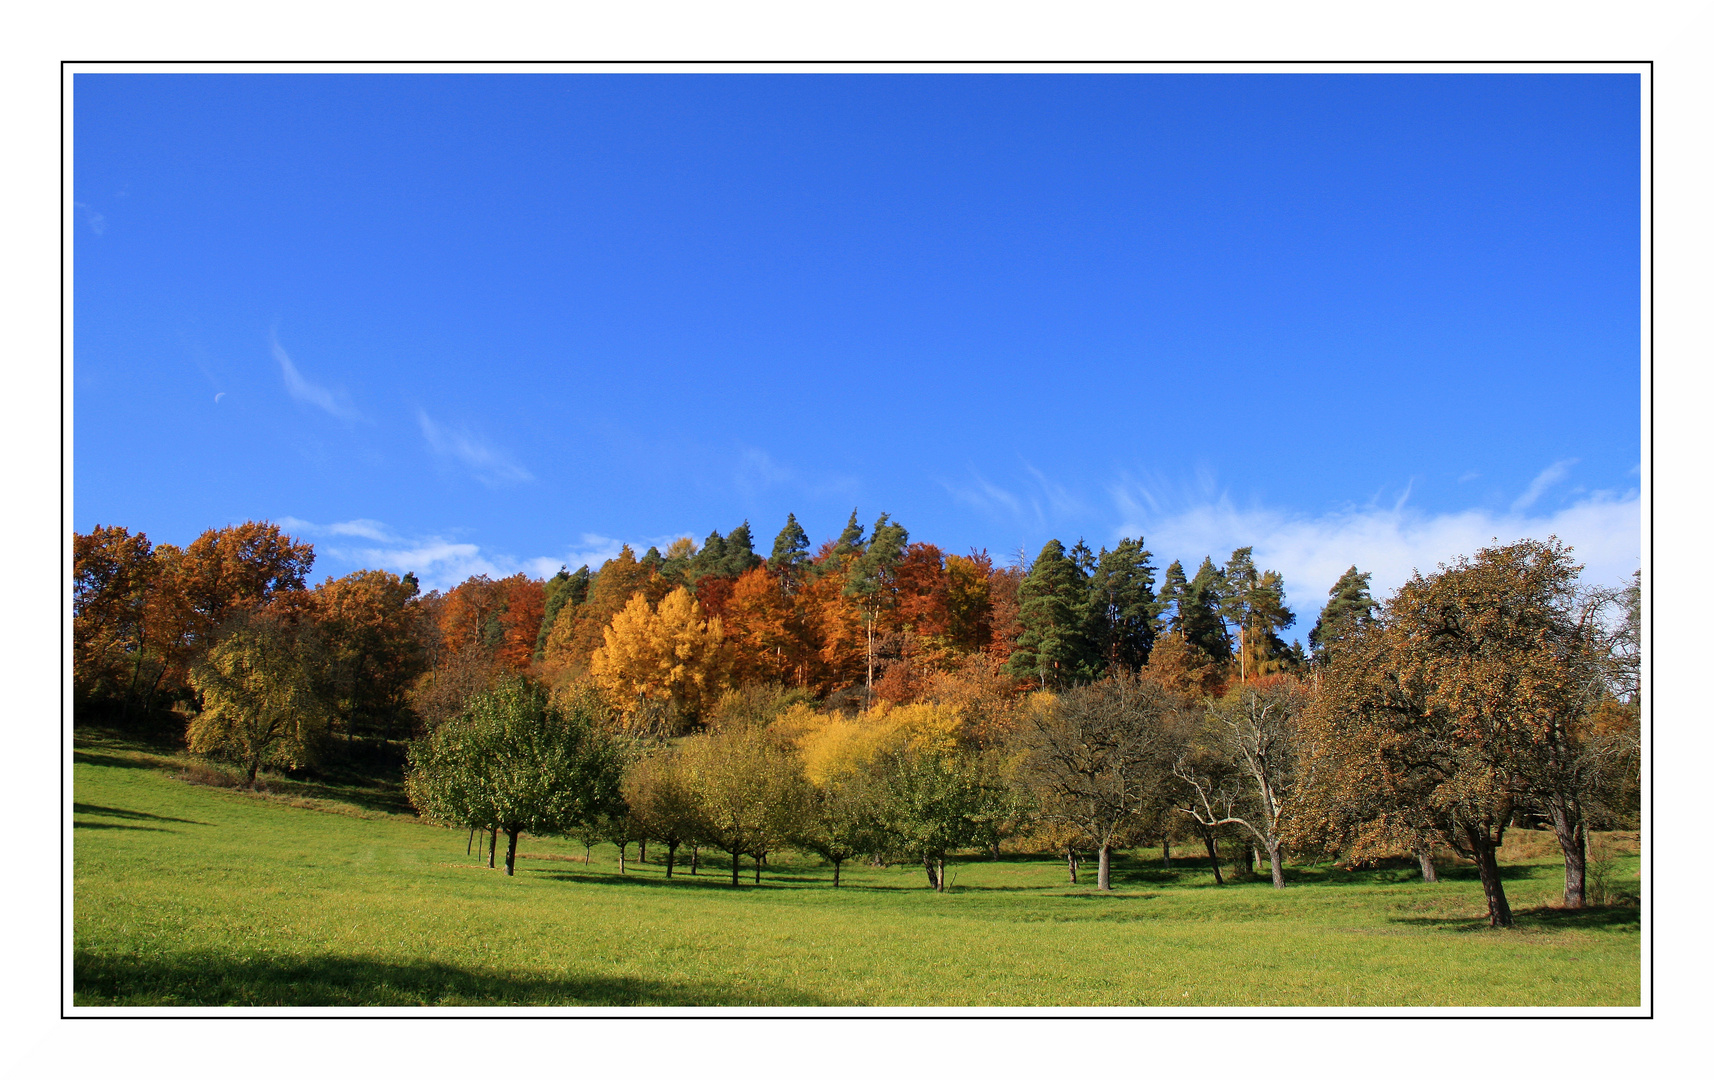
[(666, 656)]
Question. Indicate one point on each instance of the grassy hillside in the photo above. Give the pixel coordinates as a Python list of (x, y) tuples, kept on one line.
[(327, 895)]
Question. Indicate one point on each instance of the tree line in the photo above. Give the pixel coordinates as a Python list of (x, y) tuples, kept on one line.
[(880, 698)]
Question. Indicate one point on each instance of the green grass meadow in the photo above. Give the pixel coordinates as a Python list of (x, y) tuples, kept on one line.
[(328, 895)]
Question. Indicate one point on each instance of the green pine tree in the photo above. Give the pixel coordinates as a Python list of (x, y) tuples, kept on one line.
[(1349, 608), (791, 549), (1053, 603), (1200, 611), (850, 541), (1122, 606)]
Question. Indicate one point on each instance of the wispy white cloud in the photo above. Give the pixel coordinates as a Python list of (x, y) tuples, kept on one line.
[(441, 562), (986, 496), (1037, 502), (1545, 479), (1604, 530), (95, 219), (334, 403), (488, 465), (757, 473)]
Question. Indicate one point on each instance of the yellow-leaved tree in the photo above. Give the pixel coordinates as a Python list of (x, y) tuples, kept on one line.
[(667, 658)]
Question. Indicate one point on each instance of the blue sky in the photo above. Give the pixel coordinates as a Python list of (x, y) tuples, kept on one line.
[(488, 323)]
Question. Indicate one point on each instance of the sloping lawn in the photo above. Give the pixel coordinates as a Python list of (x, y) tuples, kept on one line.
[(195, 895)]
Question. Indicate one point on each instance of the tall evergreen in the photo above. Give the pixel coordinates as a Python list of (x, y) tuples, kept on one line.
[(1200, 611), (1122, 606), (850, 541), (791, 548), (1170, 603), (1053, 603), (1349, 607), (710, 559), (740, 554)]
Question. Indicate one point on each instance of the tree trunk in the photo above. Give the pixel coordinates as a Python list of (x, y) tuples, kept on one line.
[(470, 841), (940, 873), (1425, 860), (255, 763), (672, 849), (511, 849), (735, 866), (836, 863), (493, 838), (1499, 912), (622, 847), (933, 877), (695, 852), (1213, 852), (642, 851), (1275, 865), (1166, 852), (1104, 872), (1071, 864), (1568, 828), (758, 861)]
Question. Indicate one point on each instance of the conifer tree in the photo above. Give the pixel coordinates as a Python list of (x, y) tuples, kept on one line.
[(1053, 603), (791, 549), (1349, 608), (1171, 600), (740, 554), (850, 541), (1122, 606), (1200, 612)]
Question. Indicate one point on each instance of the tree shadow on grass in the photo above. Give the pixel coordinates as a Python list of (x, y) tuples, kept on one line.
[(129, 815), (207, 978), (1620, 919), (113, 825), (110, 761)]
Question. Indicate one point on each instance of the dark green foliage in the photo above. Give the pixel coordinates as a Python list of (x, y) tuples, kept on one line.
[(1200, 612), (1122, 606), (1053, 602), (1171, 600), (791, 548), (517, 762), (850, 541), (740, 554), (872, 575), (1349, 608)]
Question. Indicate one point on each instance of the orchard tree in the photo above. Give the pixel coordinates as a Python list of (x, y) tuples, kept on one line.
[(662, 805), (932, 802), (1251, 733), (518, 762), (1100, 755), (265, 699), (1465, 703), (747, 790)]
